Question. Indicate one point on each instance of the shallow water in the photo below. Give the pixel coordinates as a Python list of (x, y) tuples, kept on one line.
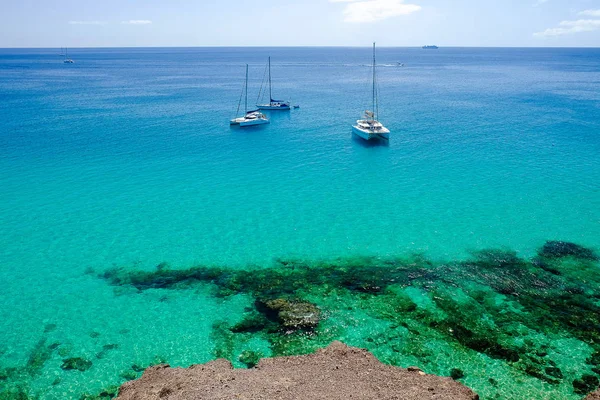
[(126, 159)]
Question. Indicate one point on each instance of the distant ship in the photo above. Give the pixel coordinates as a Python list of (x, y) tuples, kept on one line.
[(430, 47), (67, 60)]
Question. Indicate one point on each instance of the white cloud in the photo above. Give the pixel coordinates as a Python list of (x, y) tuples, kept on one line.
[(375, 10), (87, 23), (137, 22), (569, 27), (540, 2), (591, 13)]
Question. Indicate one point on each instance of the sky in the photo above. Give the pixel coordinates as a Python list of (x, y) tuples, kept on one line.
[(131, 23)]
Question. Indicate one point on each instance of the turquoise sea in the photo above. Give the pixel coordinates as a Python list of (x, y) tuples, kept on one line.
[(125, 161)]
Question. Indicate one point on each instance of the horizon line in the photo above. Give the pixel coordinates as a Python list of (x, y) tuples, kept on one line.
[(299, 46)]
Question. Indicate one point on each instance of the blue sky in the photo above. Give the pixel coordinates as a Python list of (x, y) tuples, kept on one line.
[(112, 23)]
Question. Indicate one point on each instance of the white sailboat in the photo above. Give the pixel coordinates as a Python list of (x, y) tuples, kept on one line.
[(250, 118), (369, 127), (67, 60), (273, 104)]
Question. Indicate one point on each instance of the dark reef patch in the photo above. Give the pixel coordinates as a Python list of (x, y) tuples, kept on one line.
[(496, 304), (586, 384), (106, 394), (76, 363), (559, 249), (456, 373), (106, 349), (14, 381)]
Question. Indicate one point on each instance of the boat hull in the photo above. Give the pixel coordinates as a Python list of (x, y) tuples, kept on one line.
[(254, 122), (272, 107), (368, 135)]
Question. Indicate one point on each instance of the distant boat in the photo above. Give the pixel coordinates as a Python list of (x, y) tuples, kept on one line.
[(399, 64), (273, 104), (250, 118), (67, 60), (430, 47), (369, 128)]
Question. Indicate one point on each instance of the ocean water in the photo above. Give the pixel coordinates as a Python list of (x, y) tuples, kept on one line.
[(125, 159)]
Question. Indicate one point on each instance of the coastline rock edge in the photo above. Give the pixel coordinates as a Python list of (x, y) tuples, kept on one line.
[(335, 372)]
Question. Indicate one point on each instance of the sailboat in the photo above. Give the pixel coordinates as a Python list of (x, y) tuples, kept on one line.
[(369, 128), (250, 118), (67, 60), (273, 104)]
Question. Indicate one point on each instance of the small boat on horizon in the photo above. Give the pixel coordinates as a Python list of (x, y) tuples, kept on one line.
[(67, 60), (369, 127), (273, 104), (430, 47), (252, 117)]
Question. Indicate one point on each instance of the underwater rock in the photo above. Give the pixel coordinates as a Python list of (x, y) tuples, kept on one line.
[(105, 349), (106, 394), (292, 315), (250, 358), (456, 373), (559, 249), (77, 363), (129, 375), (337, 372), (38, 357)]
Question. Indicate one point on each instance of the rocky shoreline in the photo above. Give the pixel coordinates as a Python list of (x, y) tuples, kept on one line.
[(336, 372)]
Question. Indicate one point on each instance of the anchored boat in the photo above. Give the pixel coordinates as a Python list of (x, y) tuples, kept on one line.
[(250, 118), (67, 60), (369, 127), (273, 104)]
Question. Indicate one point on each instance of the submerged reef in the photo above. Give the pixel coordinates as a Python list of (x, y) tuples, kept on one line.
[(503, 325), (533, 320), (14, 381)]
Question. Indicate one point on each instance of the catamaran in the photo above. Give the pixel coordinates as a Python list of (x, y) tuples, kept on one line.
[(369, 128), (67, 60), (273, 104), (250, 118)]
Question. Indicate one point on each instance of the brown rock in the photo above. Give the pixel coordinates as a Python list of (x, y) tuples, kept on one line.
[(294, 315), (337, 372), (593, 396)]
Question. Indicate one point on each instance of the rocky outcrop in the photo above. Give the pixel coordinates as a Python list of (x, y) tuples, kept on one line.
[(593, 396), (337, 372), (291, 315)]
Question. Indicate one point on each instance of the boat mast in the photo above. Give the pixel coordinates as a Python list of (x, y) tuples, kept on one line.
[(373, 80), (246, 88), (270, 94)]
